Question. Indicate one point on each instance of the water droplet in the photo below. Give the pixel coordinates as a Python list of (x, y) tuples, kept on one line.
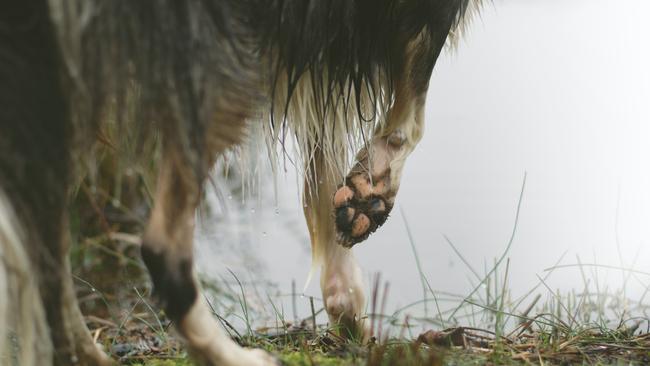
[(320, 182), (92, 289), (263, 233), (350, 290), (277, 211), (252, 210), (115, 202), (229, 196), (302, 296)]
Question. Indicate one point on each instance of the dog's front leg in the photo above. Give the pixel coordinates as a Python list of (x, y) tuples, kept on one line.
[(341, 281), (363, 202)]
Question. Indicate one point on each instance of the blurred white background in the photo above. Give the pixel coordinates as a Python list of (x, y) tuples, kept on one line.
[(558, 89)]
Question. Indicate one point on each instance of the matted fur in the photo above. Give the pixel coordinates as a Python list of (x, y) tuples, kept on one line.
[(320, 70)]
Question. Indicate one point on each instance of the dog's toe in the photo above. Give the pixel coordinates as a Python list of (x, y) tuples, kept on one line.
[(360, 226), (342, 196), (356, 215), (345, 217)]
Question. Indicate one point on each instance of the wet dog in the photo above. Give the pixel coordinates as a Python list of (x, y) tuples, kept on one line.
[(336, 76)]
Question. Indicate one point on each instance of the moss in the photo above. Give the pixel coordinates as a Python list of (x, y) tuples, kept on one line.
[(169, 362), (307, 359)]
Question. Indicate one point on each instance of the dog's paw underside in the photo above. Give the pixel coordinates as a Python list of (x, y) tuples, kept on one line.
[(363, 203)]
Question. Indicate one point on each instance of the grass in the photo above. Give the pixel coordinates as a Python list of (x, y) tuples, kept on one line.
[(592, 325), (489, 326)]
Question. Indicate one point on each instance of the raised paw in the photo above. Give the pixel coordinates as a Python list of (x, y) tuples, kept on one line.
[(363, 203), (361, 206)]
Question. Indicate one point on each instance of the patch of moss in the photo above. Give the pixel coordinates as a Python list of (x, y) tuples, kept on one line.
[(168, 362), (309, 359)]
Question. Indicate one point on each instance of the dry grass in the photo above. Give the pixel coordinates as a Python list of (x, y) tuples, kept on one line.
[(567, 329), (484, 326)]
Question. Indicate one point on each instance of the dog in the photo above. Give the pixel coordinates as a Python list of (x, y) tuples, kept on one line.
[(336, 76)]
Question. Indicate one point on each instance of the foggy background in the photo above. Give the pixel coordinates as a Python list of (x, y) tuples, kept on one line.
[(557, 89)]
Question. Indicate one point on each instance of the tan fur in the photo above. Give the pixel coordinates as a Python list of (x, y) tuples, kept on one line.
[(171, 227), (212, 345), (405, 125)]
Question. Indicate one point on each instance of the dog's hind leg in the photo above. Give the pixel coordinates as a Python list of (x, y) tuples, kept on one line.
[(35, 170), (341, 282), (363, 202), (167, 251)]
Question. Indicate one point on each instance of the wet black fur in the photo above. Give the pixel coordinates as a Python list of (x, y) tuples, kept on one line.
[(181, 63), (348, 43)]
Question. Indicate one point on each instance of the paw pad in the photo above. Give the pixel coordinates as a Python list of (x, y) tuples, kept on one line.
[(360, 208)]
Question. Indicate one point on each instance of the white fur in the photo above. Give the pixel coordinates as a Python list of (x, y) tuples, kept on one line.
[(21, 310), (213, 345), (342, 286), (337, 134)]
